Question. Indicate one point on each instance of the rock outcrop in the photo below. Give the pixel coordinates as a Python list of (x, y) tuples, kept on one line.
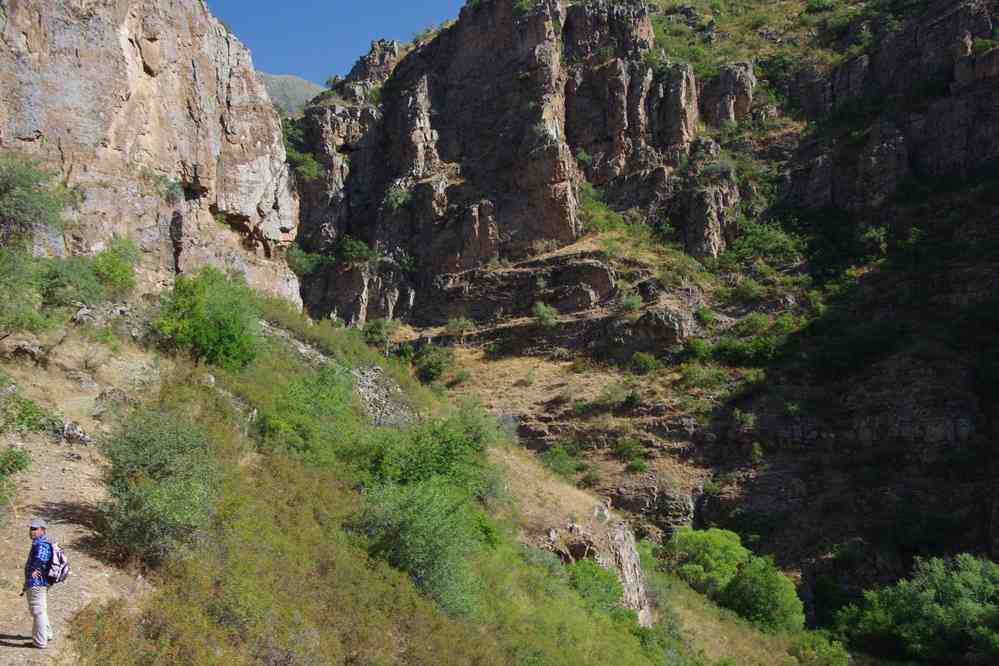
[(154, 115), (472, 148), (929, 103)]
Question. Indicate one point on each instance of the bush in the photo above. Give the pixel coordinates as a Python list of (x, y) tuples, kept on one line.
[(24, 415), (747, 291), (698, 349), (69, 281), (631, 303), (705, 316), (547, 315), (561, 461), (21, 297), (432, 362), (756, 351), (303, 263), (816, 649), (643, 363), (213, 315), (427, 530), (459, 326), (397, 197), (752, 324), (13, 461), (819, 6), (599, 587), (703, 375), (584, 157), (946, 609), (352, 251), (707, 559), (29, 196), (161, 483), (378, 332), (765, 596), (115, 266)]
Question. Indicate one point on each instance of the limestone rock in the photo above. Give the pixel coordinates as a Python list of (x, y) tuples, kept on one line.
[(729, 96), (153, 112)]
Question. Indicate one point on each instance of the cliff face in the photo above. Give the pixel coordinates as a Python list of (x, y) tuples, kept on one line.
[(479, 139), (152, 113)]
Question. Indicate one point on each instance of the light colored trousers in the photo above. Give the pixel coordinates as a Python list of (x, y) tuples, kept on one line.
[(38, 607)]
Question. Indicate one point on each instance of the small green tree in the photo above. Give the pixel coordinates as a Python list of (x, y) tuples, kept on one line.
[(378, 333), (947, 608), (160, 481), (20, 294), (547, 315), (598, 586), (707, 559), (765, 596), (28, 196), (214, 315), (115, 266)]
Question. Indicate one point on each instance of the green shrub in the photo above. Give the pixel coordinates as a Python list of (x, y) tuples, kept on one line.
[(705, 316), (161, 481), (754, 323), (631, 302), (397, 197), (756, 351), (213, 315), (628, 448), (432, 362), (375, 95), (353, 251), (747, 291), (707, 559), (426, 530), (24, 415), (599, 587), (946, 609), (584, 157), (546, 315), (459, 326), (378, 332), (303, 263), (816, 649), (13, 461), (703, 375), (698, 349), (21, 296), (819, 6), (115, 266), (29, 196), (765, 596), (767, 242), (561, 461), (69, 281), (643, 363), (594, 213)]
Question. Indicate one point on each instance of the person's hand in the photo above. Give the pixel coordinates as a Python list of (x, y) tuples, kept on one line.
[(36, 574)]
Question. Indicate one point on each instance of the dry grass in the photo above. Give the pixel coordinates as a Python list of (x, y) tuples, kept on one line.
[(540, 499)]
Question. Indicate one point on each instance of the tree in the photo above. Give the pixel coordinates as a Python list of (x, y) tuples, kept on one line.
[(28, 197), (765, 596), (707, 559)]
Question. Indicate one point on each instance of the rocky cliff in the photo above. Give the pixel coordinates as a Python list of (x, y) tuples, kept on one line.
[(152, 113), (470, 147)]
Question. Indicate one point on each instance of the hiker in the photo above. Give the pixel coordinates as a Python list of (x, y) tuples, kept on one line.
[(36, 582)]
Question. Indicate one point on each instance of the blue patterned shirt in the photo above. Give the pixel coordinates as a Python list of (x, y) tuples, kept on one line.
[(39, 558)]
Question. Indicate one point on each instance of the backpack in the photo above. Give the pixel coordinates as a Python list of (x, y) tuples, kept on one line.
[(59, 566)]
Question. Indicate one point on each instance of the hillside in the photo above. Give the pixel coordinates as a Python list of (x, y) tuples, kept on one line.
[(291, 93), (568, 332)]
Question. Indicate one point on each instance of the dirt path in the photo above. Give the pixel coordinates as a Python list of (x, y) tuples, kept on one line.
[(63, 487)]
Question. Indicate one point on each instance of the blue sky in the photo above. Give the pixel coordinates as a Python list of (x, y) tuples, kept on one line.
[(316, 38)]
